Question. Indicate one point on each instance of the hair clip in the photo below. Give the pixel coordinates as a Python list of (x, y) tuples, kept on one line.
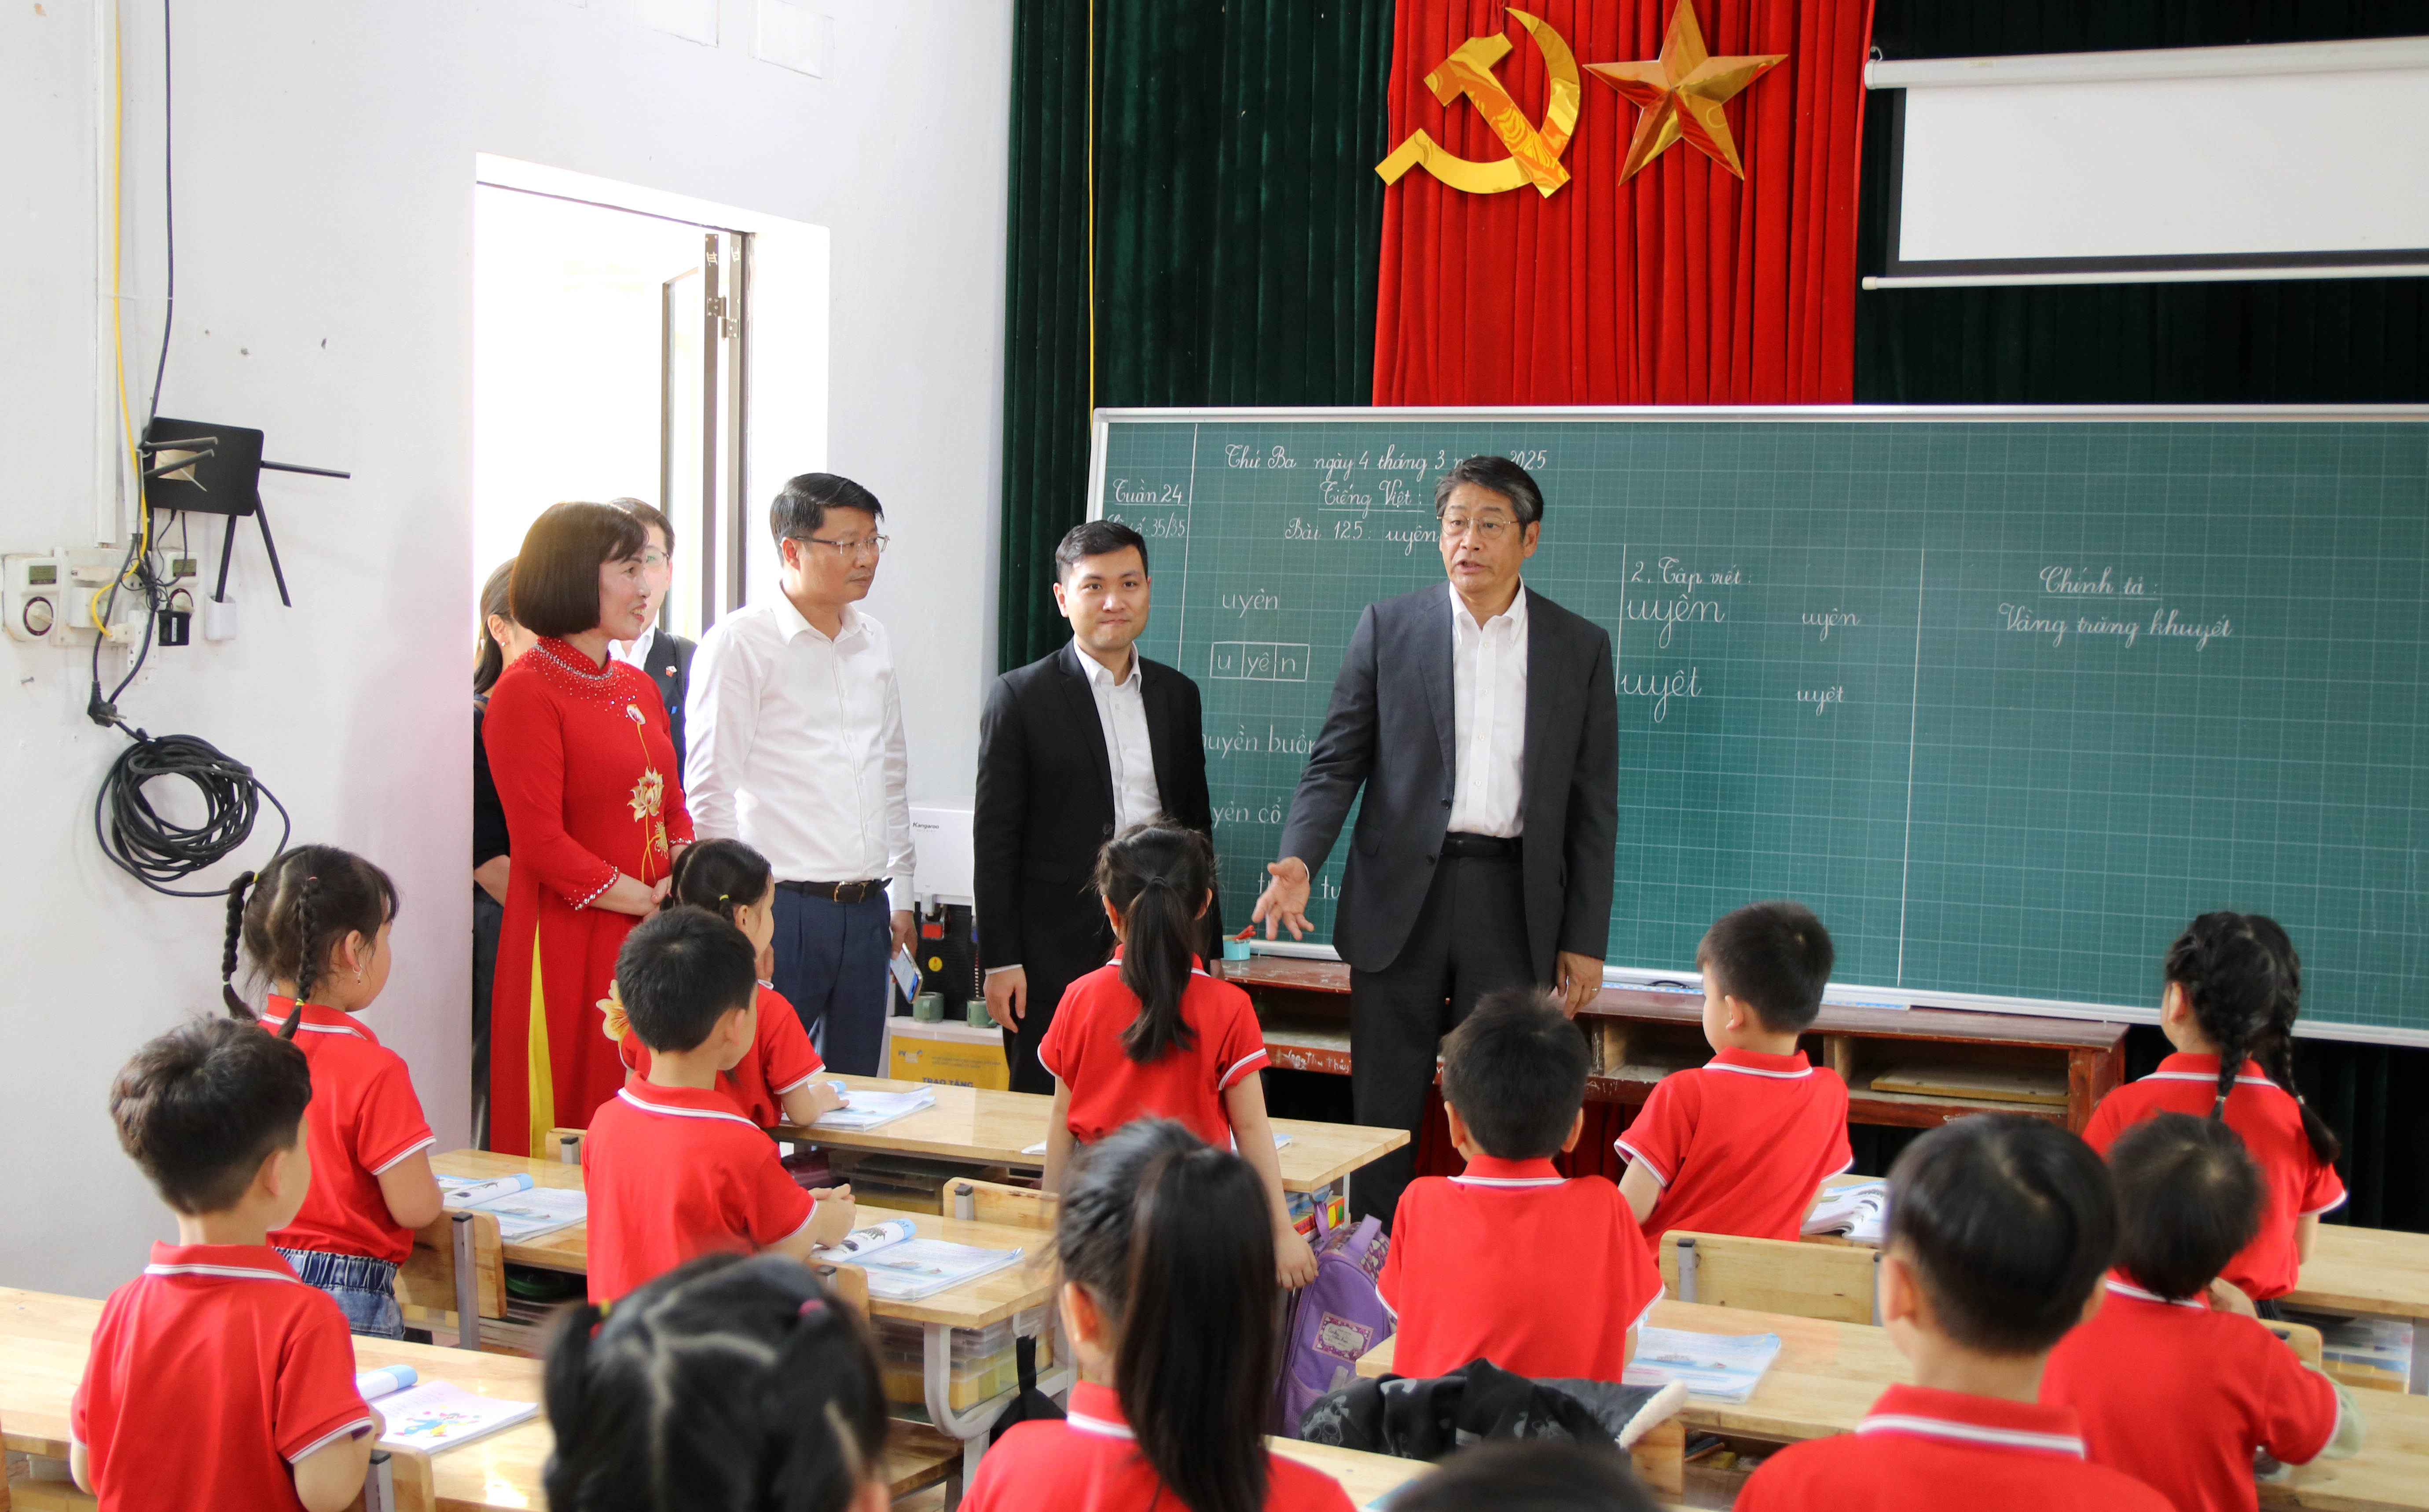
[(812, 1308)]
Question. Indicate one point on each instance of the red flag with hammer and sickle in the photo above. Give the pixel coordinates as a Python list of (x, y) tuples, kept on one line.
[(1625, 202)]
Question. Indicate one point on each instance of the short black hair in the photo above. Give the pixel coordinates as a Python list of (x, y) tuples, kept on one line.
[(556, 587), (201, 1107), (682, 969), (1516, 1071), (801, 504), (1096, 538), (1529, 1475), (649, 514), (1500, 475), (1775, 957), (2009, 1222), (2188, 1200)]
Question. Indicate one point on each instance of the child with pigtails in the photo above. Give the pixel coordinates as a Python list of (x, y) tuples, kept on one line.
[(316, 925), (2233, 989)]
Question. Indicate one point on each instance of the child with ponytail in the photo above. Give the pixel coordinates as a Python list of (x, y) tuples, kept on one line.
[(1151, 1035), (728, 1385), (2234, 988), (316, 925), (1168, 1302), (777, 1080)]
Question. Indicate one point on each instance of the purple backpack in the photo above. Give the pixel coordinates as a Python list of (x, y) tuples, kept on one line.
[(1333, 1318)]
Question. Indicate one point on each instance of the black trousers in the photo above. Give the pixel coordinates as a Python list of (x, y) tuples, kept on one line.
[(1469, 939), (488, 924), (1052, 966)]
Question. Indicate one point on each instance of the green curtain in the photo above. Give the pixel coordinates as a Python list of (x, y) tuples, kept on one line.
[(1238, 218)]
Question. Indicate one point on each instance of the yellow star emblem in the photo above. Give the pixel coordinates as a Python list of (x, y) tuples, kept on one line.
[(1678, 96)]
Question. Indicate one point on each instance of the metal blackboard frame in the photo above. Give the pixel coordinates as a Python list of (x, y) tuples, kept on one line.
[(1102, 420)]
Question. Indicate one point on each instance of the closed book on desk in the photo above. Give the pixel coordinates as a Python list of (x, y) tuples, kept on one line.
[(437, 1415), (1715, 1367)]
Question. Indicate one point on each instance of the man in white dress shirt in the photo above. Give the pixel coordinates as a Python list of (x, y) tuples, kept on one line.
[(1482, 725), (663, 655), (797, 750), (1073, 749)]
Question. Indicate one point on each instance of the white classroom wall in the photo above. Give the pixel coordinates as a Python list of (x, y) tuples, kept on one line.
[(325, 153)]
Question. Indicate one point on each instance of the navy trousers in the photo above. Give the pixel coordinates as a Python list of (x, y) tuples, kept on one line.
[(831, 966)]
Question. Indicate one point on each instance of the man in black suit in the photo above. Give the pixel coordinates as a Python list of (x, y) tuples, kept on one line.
[(661, 652), (1073, 749), (1482, 724)]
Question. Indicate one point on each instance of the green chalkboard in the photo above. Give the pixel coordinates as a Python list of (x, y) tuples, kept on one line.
[(2007, 701)]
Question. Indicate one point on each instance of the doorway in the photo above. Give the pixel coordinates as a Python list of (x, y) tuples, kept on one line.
[(610, 361)]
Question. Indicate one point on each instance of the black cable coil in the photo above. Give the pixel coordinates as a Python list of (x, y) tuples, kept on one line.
[(155, 850)]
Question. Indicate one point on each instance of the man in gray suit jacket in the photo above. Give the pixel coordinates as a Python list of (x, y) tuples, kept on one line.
[(1482, 724)]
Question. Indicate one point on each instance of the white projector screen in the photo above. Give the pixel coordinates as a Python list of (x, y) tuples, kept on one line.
[(2301, 161)]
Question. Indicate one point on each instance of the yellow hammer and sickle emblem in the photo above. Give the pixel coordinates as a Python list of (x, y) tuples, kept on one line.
[(1534, 154)]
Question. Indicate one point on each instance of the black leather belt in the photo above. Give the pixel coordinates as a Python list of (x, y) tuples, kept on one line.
[(1478, 847), (839, 891)]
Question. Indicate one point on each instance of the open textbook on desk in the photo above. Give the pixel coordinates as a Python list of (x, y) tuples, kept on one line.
[(903, 1266), (523, 1210), (872, 1109)]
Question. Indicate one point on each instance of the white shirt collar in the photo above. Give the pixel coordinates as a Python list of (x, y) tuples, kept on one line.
[(791, 621), (1098, 673), (636, 651), (2127, 1288), (1515, 614)]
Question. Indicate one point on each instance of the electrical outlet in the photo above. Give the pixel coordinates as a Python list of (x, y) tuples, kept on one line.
[(50, 599)]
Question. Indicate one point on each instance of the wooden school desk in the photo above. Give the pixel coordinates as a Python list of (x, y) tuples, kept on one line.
[(1638, 1035), (1827, 1375), (2373, 1273), (989, 1298), (44, 1339), (991, 1128)]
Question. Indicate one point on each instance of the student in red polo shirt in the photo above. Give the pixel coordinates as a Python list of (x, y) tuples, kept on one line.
[(1167, 1302), (217, 1379), (777, 1080), (2233, 989), (2000, 1228), (1151, 1035), (1474, 1256), (672, 1168), (1743, 1144), (316, 926), (727, 1385), (2175, 1392)]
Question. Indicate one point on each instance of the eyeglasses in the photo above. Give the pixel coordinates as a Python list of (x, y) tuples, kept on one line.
[(653, 558), (864, 545), (1486, 532)]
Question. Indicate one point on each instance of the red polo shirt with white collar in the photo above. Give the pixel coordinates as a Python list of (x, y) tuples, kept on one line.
[(2295, 1183), (1740, 1144), (675, 1171), (1089, 1462), (1919, 1448), (1083, 1047), (1475, 1256), (363, 1119), (2221, 1384), (780, 1059), (210, 1375)]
